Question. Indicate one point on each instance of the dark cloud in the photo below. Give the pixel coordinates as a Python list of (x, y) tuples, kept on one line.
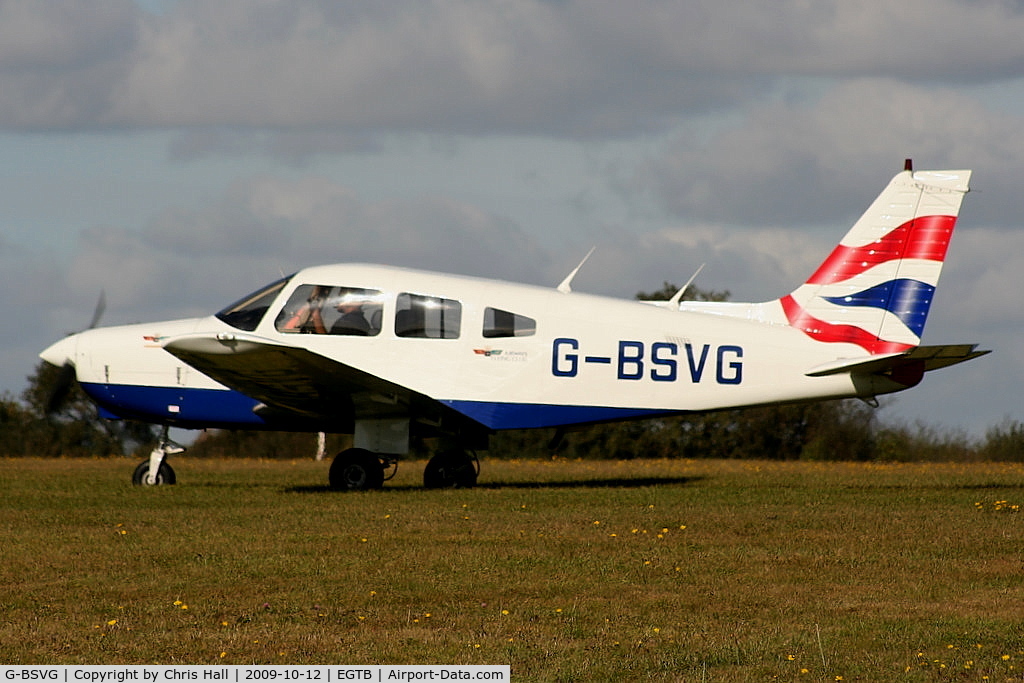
[(802, 164), (577, 68), (53, 37), (62, 61)]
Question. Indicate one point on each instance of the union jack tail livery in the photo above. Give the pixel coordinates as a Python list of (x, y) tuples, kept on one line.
[(867, 303), (875, 288)]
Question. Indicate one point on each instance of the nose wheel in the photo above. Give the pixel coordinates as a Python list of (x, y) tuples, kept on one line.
[(164, 475), (155, 471)]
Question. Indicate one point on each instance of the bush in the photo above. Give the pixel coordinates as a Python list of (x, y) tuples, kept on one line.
[(1004, 442), (922, 443)]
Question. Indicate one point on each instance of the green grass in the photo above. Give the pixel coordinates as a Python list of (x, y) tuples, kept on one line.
[(643, 570)]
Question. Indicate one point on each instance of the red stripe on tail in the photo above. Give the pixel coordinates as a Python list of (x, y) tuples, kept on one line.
[(823, 331), (926, 237)]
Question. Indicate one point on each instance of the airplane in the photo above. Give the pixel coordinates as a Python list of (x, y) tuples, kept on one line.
[(388, 354)]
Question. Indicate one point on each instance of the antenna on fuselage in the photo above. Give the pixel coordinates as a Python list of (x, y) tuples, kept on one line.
[(677, 297), (566, 285)]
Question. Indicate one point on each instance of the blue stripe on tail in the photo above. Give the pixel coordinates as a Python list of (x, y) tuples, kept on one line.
[(908, 300)]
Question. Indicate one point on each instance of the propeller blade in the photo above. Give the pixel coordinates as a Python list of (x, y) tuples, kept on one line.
[(97, 314), (61, 387), (66, 375)]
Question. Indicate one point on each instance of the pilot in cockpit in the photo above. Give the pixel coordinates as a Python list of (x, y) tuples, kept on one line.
[(351, 319), (308, 319)]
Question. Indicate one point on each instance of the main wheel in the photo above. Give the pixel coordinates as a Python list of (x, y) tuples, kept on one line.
[(356, 469), (164, 474), (451, 470)]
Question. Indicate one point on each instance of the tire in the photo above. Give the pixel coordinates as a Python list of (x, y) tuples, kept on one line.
[(450, 470), (356, 469), (164, 475)]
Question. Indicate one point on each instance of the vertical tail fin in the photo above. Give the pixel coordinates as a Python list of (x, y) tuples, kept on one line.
[(875, 288)]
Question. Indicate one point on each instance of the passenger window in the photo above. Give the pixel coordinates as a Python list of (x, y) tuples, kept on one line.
[(499, 323), (324, 309), (428, 317)]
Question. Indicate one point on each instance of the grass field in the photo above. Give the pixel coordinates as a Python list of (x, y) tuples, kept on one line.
[(643, 570)]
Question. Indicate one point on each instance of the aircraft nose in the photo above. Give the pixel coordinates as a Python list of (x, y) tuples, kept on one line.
[(61, 353)]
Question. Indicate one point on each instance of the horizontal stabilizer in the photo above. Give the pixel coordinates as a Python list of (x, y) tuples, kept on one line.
[(932, 358)]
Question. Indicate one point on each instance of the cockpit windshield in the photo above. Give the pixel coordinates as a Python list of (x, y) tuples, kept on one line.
[(246, 313)]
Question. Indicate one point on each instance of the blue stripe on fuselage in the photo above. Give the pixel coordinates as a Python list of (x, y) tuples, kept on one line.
[(228, 409), (499, 416), (178, 406)]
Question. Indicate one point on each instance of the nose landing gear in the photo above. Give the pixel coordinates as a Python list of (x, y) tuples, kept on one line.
[(155, 471)]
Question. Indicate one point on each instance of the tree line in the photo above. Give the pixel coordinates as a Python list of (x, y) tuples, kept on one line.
[(830, 430)]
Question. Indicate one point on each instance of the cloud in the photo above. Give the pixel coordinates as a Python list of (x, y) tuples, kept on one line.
[(806, 163), (60, 62), (573, 68), (38, 308), (296, 147), (194, 261), (984, 276)]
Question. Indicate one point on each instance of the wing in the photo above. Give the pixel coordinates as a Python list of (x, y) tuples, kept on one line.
[(296, 382)]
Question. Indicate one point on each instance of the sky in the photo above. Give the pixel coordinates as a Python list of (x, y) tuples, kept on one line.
[(179, 154)]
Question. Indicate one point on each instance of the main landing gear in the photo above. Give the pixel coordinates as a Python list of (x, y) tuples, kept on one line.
[(357, 469), (354, 469), (155, 471), (452, 469)]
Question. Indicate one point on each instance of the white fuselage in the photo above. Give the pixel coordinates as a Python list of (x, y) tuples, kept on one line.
[(569, 358)]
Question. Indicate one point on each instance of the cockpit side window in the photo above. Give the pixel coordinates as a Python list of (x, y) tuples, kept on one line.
[(327, 309), (499, 323), (246, 313), (427, 317)]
